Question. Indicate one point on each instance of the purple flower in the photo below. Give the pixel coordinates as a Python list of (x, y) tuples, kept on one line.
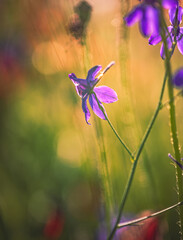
[(148, 16), (86, 90), (174, 33), (177, 79)]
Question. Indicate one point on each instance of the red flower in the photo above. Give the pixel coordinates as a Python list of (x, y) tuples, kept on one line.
[(54, 225)]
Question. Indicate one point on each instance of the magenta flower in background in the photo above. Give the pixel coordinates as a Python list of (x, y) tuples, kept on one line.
[(86, 90), (148, 16), (174, 32), (177, 79)]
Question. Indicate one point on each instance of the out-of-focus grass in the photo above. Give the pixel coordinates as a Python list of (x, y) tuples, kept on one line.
[(50, 158)]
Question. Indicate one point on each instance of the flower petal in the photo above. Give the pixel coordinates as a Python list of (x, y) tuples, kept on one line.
[(180, 41), (150, 22), (169, 3), (92, 73), (172, 15), (178, 78), (77, 81), (95, 106), (105, 94), (155, 39), (81, 90), (134, 16), (85, 109)]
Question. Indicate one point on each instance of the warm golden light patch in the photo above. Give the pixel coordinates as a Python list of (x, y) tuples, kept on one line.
[(69, 148), (49, 57)]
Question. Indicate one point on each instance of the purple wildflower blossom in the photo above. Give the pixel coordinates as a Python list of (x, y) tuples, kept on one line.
[(86, 90), (148, 16), (177, 79), (173, 159), (175, 32)]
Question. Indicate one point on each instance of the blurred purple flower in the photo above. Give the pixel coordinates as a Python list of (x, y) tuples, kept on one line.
[(174, 32), (148, 15), (86, 90), (173, 159), (177, 79)]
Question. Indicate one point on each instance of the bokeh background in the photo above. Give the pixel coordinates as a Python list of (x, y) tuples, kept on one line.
[(59, 177)]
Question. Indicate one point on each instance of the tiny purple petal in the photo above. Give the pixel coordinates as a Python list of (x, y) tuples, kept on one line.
[(172, 15), (76, 80), (85, 109), (162, 51), (92, 73), (134, 16), (106, 94), (149, 24), (180, 40), (169, 3), (178, 78), (95, 107), (155, 39)]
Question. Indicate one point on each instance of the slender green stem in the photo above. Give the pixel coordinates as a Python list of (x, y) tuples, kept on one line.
[(117, 135), (113, 129), (173, 127), (132, 172), (134, 222), (175, 142)]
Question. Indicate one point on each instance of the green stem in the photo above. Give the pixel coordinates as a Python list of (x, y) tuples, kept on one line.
[(175, 142), (173, 128), (132, 172), (113, 129), (121, 141)]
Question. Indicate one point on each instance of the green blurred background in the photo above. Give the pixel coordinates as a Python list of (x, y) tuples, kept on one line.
[(54, 182)]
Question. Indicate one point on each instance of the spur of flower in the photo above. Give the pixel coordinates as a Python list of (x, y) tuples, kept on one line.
[(174, 33), (148, 15), (87, 90)]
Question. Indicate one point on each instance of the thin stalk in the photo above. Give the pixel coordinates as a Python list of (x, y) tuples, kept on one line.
[(175, 142), (134, 222), (117, 135), (173, 127), (132, 172), (113, 129)]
